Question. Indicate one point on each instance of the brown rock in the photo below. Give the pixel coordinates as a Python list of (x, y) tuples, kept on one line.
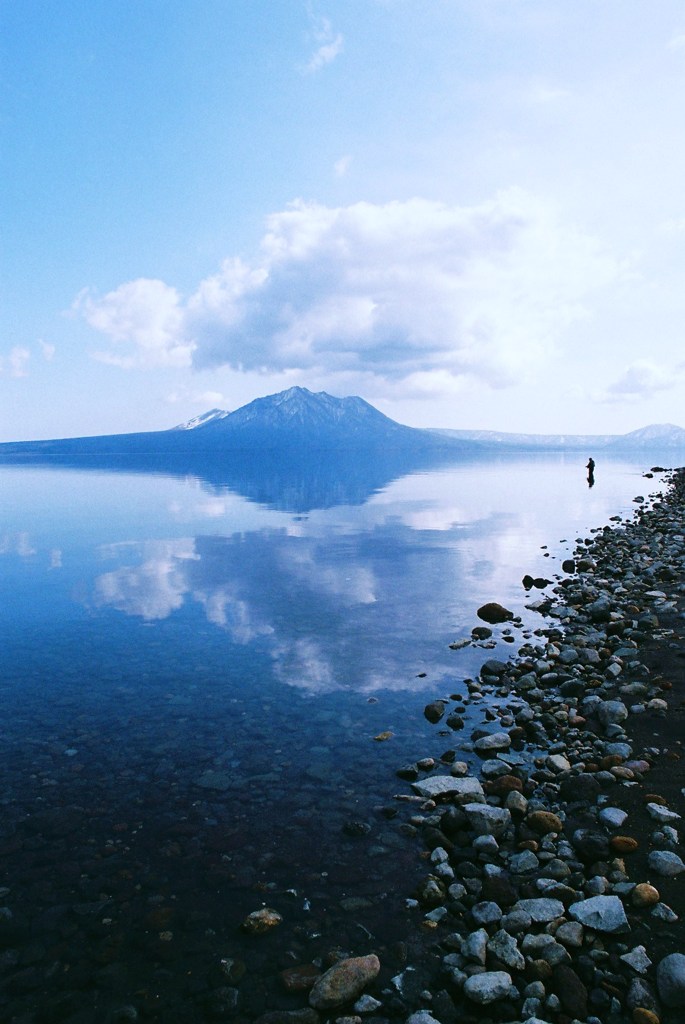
[(623, 844), (503, 785), (260, 921), (544, 822), (644, 1016), (344, 982), (610, 761), (644, 895)]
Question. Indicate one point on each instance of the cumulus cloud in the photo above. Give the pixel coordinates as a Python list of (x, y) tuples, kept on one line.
[(328, 45), (146, 313), (643, 379), (47, 350), (394, 291)]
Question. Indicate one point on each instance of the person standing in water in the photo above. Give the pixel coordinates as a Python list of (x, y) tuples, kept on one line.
[(590, 472)]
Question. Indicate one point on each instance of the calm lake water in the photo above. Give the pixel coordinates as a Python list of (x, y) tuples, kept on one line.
[(194, 670)]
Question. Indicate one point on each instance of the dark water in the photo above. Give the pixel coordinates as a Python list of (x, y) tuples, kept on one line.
[(192, 680)]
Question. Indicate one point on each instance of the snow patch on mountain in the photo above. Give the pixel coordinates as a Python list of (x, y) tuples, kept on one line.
[(203, 419)]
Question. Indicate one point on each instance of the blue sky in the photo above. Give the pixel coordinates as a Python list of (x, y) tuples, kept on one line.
[(470, 212)]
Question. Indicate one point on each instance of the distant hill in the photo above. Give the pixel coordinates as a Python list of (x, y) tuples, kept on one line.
[(658, 436)]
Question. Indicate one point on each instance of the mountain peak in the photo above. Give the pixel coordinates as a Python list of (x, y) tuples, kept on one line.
[(203, 419)]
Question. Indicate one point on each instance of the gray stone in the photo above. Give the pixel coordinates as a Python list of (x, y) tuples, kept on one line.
[(542, 910), (558, 763), (570, 934), (670, 979), (666, 863), (461, 790), (487, 820), (504, 947), (494, 742), (523, 863), (612, 817), (486, 912), (474, 946), (640, 994), (637, 959), (488, 987), (492, 667), (662, 814), (367, 1004), (545, 947), (420, 1017), (603, 913)]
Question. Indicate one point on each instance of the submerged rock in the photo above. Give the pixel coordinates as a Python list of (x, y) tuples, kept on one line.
[(493, 612), (344, 982)]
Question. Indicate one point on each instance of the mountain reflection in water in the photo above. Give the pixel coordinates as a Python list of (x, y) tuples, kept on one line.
[(195, 667)]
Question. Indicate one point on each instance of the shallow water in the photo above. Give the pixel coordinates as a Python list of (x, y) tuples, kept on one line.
[(191, 684)]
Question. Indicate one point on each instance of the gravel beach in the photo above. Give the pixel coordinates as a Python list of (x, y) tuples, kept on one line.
[(553, 886)]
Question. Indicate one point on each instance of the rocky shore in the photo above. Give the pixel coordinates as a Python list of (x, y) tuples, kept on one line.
[(553, 889)]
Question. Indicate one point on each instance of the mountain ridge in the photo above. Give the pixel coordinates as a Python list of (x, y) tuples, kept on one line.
[(298, 418)]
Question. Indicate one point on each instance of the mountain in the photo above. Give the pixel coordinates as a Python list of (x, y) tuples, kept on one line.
[(299, 420), (662, 436), (288, 421), (297, 417)]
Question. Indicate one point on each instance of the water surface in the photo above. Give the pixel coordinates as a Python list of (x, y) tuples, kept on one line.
[(192, 680)]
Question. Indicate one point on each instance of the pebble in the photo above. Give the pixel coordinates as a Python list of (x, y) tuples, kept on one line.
[(666, 863), (670, 979), (344, 982), (487, 987)]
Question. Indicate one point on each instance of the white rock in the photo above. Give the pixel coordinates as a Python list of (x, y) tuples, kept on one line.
[(486, 820), (496, 741), (612, 817), (462, 790), (637, 959), (662, 814), (603, 913), (488, 987)]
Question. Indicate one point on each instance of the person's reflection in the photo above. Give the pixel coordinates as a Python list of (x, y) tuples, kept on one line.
[(590, 472)]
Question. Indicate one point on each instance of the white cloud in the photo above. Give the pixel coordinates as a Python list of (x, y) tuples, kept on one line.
[(205, 398), (47, 350), (393, 292), (342, 166), (144, 312), (15, 363), (328, 45), (152, 590), (643, 379)]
